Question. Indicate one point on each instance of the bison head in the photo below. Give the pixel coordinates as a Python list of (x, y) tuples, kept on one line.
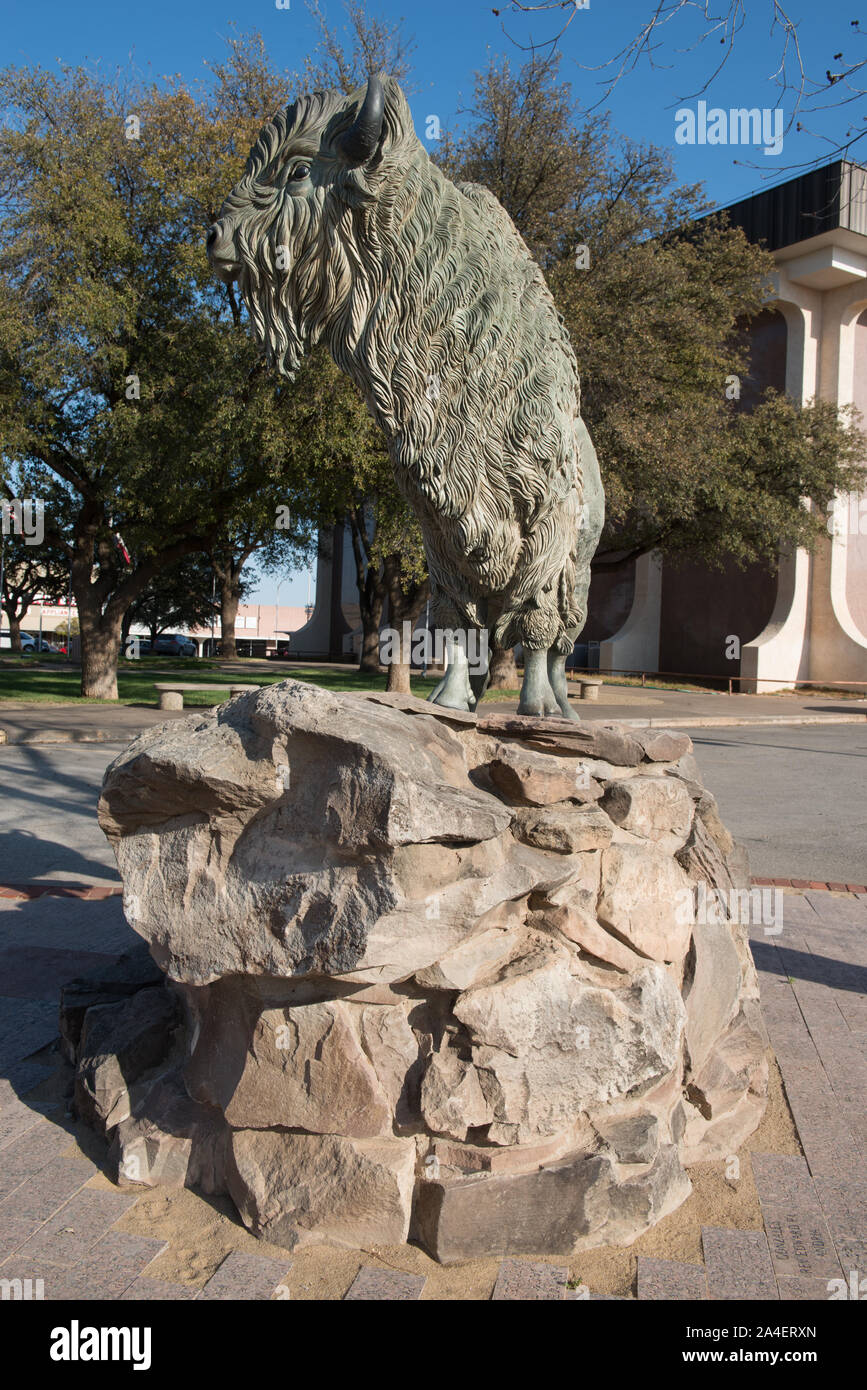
[(298, 232)]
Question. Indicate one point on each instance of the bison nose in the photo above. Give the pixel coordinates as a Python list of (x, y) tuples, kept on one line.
[(221, 254)]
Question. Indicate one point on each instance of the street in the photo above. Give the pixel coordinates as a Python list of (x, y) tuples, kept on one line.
[(794, 796)]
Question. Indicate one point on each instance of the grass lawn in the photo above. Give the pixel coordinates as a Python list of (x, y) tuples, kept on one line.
[(136, 683)]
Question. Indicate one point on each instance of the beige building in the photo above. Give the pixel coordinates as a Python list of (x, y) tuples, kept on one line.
[(809, 621), (260, 628)]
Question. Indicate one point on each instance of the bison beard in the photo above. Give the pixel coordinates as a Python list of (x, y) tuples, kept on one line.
[(342, 229)]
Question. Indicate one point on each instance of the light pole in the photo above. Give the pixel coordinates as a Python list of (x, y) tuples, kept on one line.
[(277, 615)]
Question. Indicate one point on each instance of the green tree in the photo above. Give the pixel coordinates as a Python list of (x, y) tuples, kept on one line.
[(34, 558), (124, 368), (180, 596)]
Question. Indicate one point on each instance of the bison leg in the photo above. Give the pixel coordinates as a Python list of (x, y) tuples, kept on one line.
[(559, 684), (480, 683), (454, 690), (537, 697)]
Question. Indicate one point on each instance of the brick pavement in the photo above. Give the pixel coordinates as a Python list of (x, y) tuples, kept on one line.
[(58, 1221)]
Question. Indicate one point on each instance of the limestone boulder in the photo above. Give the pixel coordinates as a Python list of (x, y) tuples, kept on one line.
[(611, 742), (658, 809), (309, 1189), (395, 1054), (565, 829), (537, 779), (646, 900), (110, 984), (119, 1043), (452, 1100), (547, 1044), (643, 1199), (305, 1068), (663, 745), (542, 1212), (476, 957), (426, 973), (169, 1140), (712, 992), (282, 817), (578, 925)]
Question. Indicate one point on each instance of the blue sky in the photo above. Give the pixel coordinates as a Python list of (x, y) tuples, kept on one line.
[(454, 38)]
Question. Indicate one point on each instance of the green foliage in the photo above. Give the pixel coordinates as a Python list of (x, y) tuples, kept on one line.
[(179, 596)]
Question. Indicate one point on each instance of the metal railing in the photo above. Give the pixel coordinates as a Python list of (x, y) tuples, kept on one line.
[(578, 671)]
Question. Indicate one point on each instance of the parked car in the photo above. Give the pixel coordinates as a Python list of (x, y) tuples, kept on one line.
[(37, 644), (173, 644)]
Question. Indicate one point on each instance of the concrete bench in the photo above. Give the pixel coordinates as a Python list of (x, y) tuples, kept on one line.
[(172, 692), (590, 688)]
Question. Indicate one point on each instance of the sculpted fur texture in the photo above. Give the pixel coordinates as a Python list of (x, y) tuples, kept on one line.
[(343, 230)]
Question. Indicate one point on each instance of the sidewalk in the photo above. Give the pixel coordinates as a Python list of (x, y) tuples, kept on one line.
[(64, 1222), (43, 723)]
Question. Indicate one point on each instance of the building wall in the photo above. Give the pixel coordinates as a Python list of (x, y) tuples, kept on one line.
[(609, 602), (703, 608)]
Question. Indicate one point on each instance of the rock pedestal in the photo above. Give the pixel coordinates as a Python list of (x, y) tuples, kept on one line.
[(429, 975)]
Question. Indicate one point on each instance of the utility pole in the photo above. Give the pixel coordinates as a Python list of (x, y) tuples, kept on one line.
[(213, 607), (69, 612)]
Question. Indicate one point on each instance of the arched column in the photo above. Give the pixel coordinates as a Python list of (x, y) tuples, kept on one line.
[(635, 646), (838, 647), (780, 654)]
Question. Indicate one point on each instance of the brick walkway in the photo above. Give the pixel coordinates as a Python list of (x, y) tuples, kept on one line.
[(58, 1220)]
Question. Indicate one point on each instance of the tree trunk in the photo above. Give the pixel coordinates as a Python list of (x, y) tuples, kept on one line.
[(230, 599), (403, 608), (371, 593), (100, 649), (371, 603), (398, 676), (370, 643), (14, 631), (503, 671)]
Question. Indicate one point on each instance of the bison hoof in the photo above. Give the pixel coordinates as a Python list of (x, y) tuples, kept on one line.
[(452, 702)]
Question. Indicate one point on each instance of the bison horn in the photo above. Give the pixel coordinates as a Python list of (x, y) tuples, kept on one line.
[(361, 139)]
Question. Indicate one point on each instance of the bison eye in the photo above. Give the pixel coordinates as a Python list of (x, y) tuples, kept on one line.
[(299, 171)]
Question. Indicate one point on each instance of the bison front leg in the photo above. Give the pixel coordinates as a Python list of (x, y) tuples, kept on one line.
[(559, 684), (537, 697), (454, 690)]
